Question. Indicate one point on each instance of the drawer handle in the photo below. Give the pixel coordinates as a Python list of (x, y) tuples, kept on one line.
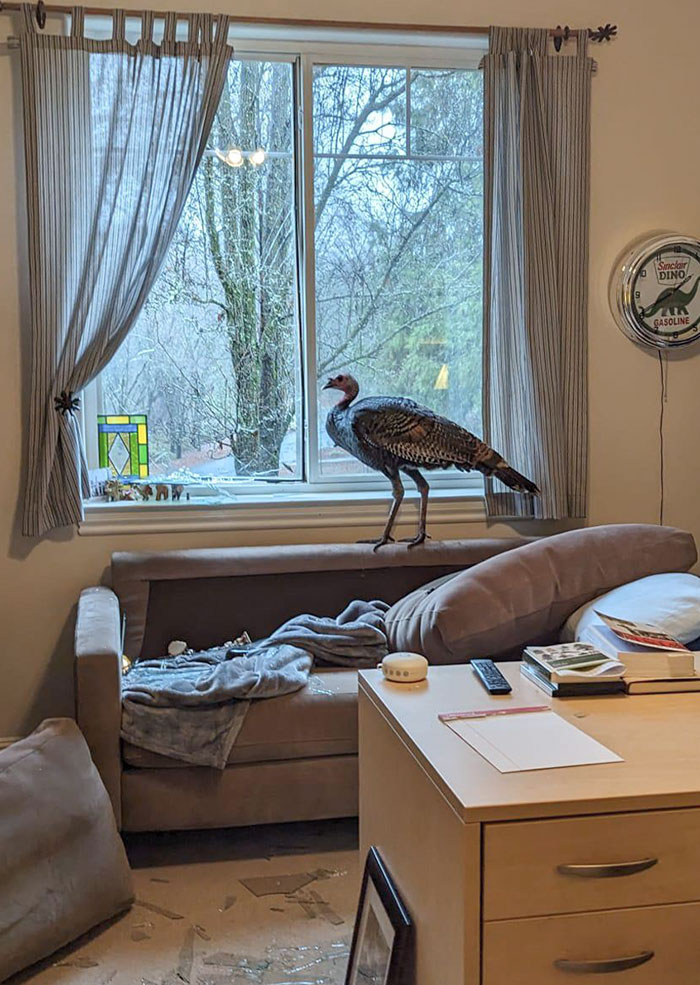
[(608, 871), (603, 967)]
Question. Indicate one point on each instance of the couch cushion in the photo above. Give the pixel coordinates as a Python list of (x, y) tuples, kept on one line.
[(206, 596), (63, 868), (318, 720), (524, 595)]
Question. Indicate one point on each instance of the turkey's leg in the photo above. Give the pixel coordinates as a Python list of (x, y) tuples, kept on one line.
[(397, 493), (423, 489)]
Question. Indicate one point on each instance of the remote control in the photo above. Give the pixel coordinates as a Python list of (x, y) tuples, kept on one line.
[(491, 677)]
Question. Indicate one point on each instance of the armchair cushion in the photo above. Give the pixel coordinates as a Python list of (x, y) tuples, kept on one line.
[(63, 868)]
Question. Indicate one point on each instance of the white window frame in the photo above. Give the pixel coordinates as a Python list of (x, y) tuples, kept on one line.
[(307, 497)]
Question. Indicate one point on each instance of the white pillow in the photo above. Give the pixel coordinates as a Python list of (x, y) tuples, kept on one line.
[(669, 601)]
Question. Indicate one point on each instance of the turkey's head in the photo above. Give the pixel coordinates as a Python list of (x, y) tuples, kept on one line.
[(346, 383)]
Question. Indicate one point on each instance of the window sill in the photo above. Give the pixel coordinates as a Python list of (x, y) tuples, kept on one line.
[(281, 511)]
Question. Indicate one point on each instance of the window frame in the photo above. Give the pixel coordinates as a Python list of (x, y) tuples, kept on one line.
[(319, 47)]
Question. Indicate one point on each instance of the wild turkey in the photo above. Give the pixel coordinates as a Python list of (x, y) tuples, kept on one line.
[(394, 434)]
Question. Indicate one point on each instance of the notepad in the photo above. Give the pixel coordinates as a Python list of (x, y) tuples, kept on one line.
[(517, 743)]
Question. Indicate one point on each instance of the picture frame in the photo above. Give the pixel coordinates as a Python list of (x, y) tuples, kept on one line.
[(381, 952)]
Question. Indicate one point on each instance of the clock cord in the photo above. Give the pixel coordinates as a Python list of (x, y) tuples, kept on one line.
[(663, 369)]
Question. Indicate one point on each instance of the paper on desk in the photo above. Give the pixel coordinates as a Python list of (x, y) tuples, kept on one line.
[(516, 743)]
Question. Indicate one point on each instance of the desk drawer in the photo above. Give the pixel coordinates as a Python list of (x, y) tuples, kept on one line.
[(648, 946), (605, 862)]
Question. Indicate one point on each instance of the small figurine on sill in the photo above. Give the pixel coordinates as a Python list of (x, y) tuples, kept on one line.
[(119, 492), (113, 489), (161, 492), (145, 492)]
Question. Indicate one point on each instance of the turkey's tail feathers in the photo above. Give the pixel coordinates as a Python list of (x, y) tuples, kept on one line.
[(513, 479)]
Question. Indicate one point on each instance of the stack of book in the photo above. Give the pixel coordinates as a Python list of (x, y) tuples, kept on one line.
[(572, 670), (654, 661)]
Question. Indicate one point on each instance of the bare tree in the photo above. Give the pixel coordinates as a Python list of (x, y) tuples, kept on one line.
[(214, 361)]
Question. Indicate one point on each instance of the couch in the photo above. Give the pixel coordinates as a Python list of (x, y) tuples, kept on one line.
[(296, 755)]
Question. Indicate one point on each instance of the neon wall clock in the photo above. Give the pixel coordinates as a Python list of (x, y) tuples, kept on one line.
[(655, 291)]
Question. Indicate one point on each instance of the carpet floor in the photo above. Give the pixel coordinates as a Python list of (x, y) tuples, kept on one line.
[(273, 905)]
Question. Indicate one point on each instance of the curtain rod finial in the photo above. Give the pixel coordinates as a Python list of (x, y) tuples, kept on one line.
[(40, 14), (560, 35), (602, 32)]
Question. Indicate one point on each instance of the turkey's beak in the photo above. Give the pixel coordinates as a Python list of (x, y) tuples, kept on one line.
[(328, 386)]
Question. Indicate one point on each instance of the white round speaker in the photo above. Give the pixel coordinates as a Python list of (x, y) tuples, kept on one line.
[(404, 668)]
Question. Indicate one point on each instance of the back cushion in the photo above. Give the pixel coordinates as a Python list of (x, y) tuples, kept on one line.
[(206, 596), (524, 595), (206, 611)]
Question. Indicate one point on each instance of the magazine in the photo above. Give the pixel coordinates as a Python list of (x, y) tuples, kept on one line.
[(639, 661), (641, 634), (572, 662)]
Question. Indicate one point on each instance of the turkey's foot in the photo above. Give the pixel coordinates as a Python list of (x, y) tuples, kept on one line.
[(377, 542), (420, 538)]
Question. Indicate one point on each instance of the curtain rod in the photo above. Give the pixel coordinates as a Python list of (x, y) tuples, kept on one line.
[(560, 34)]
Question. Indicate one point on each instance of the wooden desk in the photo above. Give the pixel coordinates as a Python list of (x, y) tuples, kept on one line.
[(476, 853)]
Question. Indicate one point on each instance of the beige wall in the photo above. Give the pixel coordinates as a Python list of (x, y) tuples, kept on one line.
[(646, 148)]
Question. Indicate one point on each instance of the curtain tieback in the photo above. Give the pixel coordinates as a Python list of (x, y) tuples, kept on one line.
[(66, 403)]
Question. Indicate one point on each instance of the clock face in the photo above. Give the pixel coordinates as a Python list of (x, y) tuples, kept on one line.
[(657, 292)]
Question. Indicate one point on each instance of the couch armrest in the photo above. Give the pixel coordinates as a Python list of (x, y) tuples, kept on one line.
[(98, 685)]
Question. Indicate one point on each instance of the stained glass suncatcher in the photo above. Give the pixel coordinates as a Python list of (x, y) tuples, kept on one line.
[(123, 445)]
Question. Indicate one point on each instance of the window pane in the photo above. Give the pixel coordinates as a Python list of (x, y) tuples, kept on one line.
[(213, 360), (398, 257), (446, 112), (359, 110)]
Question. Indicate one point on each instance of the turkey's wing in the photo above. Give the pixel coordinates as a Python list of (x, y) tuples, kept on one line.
[(420, 438)]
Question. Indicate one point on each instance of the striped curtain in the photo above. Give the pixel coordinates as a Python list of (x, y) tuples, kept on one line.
[(537, 145), (114, 133)]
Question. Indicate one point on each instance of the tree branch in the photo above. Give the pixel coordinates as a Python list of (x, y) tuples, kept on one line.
[(374, 106)]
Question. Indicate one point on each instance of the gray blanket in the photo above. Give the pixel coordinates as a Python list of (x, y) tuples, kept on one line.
[(192, 707)]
